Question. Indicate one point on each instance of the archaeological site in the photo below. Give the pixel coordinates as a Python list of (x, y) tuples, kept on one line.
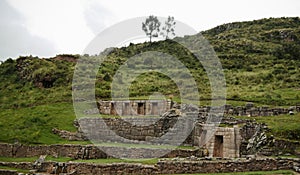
[(144, 96), (233, 145)]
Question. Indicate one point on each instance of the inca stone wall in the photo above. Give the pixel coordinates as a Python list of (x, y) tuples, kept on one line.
[(137, 129), (8, 172), (158, 107), (220, 141), (134, 107), (89, 151), (163, 167), (250, 110), (173, 167), (225, 142)]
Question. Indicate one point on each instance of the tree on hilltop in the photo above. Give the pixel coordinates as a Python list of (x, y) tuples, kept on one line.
[(169, 27), (151, 26)]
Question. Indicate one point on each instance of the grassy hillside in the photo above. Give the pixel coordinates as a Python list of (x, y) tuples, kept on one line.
[(261, 61)]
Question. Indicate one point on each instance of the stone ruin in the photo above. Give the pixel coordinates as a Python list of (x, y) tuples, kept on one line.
[(251, 111), (234, 138), (158, 107), (134, 107), (223, 142), (164, 166)]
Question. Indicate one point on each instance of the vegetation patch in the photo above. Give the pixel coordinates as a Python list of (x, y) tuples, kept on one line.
[(281, 126), (13, 169), (260, 58), (33, 159)]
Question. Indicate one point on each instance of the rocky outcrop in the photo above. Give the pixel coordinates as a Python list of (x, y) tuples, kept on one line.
[(72, 136), (258, 140), (254, 138)]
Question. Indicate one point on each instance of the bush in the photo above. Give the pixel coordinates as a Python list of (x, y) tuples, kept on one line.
[(107, 77)]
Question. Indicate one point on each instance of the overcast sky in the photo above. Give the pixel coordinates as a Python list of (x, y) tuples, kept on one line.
[(49, 27)]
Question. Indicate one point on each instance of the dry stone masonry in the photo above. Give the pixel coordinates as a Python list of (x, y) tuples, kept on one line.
[(135, 107), (175, 166), (238, 137), (224, 141), (85, 151), (158, 107)]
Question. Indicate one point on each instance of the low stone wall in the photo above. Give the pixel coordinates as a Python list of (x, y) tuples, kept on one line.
[(20, 165), (164, 166), (173, 167), (8, 172), (116, 168), (73, 151), (250, 110), (91, 152), (131, 130)]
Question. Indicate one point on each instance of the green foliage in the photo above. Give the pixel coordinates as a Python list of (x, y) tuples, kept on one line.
[(35, 124), (26, 82), (33, 159), (283, 126), (44, 73), (107, 77), (260, 61), (13, 169)]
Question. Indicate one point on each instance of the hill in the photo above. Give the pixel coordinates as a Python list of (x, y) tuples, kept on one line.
[(261, 61)]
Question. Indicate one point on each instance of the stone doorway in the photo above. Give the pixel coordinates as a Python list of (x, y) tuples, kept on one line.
[(155, 110), (113, 109), (141, 109), (218, 146), (126, 109)]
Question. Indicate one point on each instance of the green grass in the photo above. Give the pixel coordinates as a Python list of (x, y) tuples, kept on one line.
[(282, 126), (22, 159), (33, 159), (14, 169), (35, 124), (287, 156), (261, 65)]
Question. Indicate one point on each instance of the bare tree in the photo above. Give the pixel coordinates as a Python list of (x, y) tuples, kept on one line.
[(169, 27), (151, 26)]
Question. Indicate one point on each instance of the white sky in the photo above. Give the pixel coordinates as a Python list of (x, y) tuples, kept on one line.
[(49, 27)]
